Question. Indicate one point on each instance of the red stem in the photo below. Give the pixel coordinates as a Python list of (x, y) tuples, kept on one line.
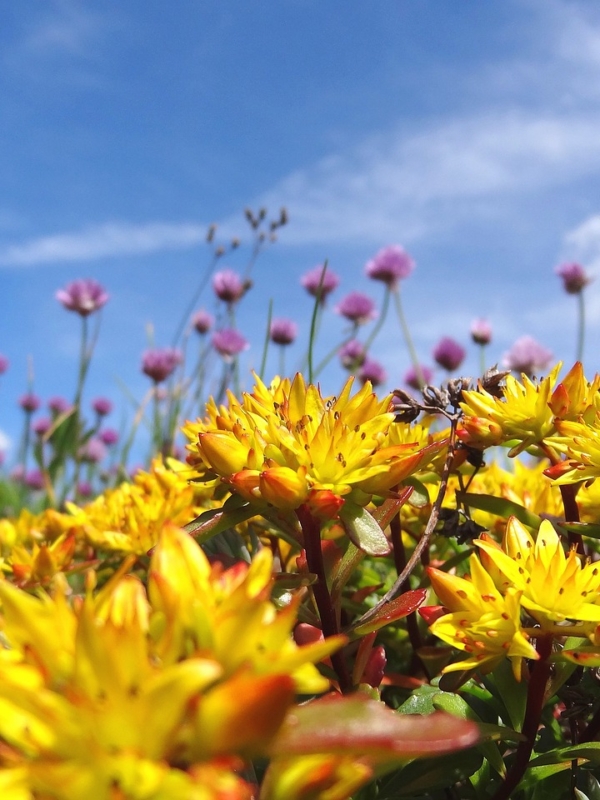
[(311, 528), (538, 680)]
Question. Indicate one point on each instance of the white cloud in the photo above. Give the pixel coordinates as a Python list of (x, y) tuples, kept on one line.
[(398, 185), (103, 241)]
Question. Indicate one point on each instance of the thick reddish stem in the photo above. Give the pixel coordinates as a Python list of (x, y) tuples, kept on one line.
[(535, 703), (311, 530)]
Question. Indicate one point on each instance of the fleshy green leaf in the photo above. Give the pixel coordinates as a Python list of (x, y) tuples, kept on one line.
[(214, 521), (419, 496), (364, 531), (500, 507)]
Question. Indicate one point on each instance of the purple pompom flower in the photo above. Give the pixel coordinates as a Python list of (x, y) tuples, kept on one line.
[(202, 322), (108, 436), (372, 371), (449, 354), (311, 281), (34, 480), (357, 307), (229, 343), (228, 286), (93, 451), (283, 331), (160, 363), (58, 405), (390, 265), (102, 406), (411, 377), (481, 331), (574, 277), (527, 356), (352, 354), (83, 296), (41, 426), (29, 402)]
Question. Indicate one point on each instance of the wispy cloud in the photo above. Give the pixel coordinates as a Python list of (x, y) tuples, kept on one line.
[(103, 241), (398, 185)]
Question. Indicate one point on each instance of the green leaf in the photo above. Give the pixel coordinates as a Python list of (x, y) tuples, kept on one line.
[(364, 531), (591, 529), (535, 775), (442, 773), (214, 521), (419, 496), (500, 507), (511, 693), (386, 512), (588, 750), (396, 609)]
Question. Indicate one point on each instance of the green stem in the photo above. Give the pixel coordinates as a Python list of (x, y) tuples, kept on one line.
[(263, 361), (580, 327), (379, 324), (195, 297), (313, 324), (407, 337)]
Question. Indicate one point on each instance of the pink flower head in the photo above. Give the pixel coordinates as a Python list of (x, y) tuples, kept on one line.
[(84, 489), (357, 307), (34, 480), (449, 354), (228, 286), (4, 364), (93, 451), (83, 296), (527, 356), (102, 406), (58, 405), (283, 331), (202, 322), (229, 342), (390, 265), (29, 402), (314, 278), (160, 363), (41, 426), (352, 354), (372, 371), (481, 331), (108, 436), (411, 377), (574, 277)]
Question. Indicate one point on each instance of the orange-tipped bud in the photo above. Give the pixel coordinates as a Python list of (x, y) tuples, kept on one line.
[(222, 452), (283, 487), (246, 483), (324, 504)]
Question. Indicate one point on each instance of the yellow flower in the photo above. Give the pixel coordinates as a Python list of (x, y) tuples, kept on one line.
[(482, 621), (142, 695), (284, 444), (130, 518), (555, 587), (522, 413), (581, 443)]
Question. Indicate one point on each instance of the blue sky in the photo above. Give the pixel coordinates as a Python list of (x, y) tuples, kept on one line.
[(467, 132)]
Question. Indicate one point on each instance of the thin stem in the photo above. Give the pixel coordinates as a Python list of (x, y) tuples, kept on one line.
[(423, 542), (263, 361), (195, 297), (311, 530), (313, 323), (412, 626), (407, 337), (482, 359), (379, 324), (580, 326), (535, 703)]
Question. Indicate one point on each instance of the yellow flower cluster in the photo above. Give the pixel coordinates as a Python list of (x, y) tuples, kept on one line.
[(153, 694), (523, 576), (285, 445)]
